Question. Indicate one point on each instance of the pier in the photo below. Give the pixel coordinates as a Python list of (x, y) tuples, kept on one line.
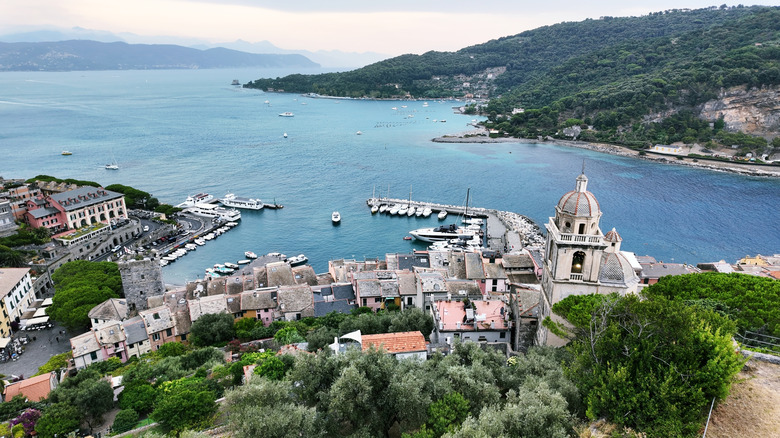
[(505, 231)]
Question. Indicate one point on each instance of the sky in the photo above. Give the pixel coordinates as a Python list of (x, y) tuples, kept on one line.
[(392, 28)]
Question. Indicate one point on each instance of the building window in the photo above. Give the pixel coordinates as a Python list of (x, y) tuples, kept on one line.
[(502, 335), (168, 332), (93, 355), (156, 337), (582, 229), (365, 303), (409, 301), (156, 316), (184, 337), (577, 261), (377, 300)]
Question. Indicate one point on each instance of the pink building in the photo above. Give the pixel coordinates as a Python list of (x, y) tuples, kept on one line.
[(75, 208)]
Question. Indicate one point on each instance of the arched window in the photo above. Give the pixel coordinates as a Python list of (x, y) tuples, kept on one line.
[(577, 261)]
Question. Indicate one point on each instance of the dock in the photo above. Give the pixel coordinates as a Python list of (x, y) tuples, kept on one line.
[(505, 231)]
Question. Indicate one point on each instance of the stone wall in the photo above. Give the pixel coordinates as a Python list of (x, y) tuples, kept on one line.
[(141, 279)]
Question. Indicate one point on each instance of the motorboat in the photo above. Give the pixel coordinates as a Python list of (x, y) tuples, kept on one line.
[(335, 217), (412, 211), (67, 153), (244, 262), (233, 201), (209, 236), (403, 210), (442, 215), (200, 241), (359, 133), (419, 211), (374, 209), (200, 198), (235, 82), (407, 237), (163, 263), (250, 255), (300, 259), (112, 166), (286, 114), (427, 211), (213, 211), (383, 208), (284, 135), (473, 221), (191, 246), (394, 209), (444, 232), (231, 265)]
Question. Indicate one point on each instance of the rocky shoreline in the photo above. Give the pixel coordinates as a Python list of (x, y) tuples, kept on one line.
[(718, 166)]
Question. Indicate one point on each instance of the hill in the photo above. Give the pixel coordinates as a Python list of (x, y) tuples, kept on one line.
[(635, 80), (93, 55)]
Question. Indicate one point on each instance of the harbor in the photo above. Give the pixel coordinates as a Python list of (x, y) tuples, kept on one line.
[(504, 231)]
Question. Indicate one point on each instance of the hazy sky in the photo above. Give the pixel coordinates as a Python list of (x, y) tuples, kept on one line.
[(390, 27)]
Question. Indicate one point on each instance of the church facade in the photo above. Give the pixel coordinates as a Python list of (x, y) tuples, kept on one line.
[(579, 259)]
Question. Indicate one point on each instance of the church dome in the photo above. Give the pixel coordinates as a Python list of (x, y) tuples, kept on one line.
[(616, 269), (580, 202), (612, 236)]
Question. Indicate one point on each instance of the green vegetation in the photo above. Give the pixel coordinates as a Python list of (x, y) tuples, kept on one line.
[(212, 329), (47, 178), (79, 286), (752, 302), (653, 365), (56, 362)]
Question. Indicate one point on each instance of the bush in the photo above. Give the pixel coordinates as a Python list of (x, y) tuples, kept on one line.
[(125, 420)]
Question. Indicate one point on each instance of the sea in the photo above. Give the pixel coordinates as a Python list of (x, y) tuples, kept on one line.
[(176, 133)]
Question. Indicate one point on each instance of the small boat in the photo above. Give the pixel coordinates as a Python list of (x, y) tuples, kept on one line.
[(412, 211), (442, 215), (286, 114), (359, 133), (427, 211), (403, 210), (407, 237), (231, 265), (67, 153), (244, 262), (374, 209), (394, 210), (191, 246), (284, 135), (267, 102), (383, 208), (335, 217), (112, 166), (200, 242), (235, 82), (300, 259), (419, 211), (163, 262), (250, 255)]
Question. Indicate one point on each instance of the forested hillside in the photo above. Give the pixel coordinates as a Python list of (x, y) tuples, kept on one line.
[(614, 75)]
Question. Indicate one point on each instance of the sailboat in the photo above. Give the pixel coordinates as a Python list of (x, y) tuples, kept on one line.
[(374, 202), (113, 165)]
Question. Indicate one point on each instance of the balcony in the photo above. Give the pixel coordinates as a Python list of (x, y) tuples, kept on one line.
[(576, 277), (588, 239)]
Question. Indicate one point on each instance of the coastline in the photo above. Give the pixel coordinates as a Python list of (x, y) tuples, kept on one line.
[(718, 166)]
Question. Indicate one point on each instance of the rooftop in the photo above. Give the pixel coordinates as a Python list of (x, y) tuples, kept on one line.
[(402, 342)]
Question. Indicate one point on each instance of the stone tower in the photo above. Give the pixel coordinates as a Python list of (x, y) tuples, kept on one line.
[(140, 280), (579, 259)]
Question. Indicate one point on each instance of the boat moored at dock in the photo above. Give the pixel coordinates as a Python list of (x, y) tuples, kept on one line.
[(213, 211), (200, 198), (250, 255), (233, 201), (444, 232), (298, 260)]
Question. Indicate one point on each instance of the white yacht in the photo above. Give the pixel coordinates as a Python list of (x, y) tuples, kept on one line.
[(412, 211), (286, 114), (374, 209), (442, 215), (427, 211), (419, 211), (213, 211), (335, 218), (394, 209), (444, 232), (250, 255), (383, 208), (300, 259), (231, 200), (200, 198)]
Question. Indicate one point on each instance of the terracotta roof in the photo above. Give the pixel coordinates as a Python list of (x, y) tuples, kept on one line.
[(35, 388), (402, 342)]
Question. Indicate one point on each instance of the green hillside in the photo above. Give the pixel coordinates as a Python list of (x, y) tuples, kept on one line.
[(611, 73)]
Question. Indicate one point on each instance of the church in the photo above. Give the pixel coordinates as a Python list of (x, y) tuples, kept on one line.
[(579, 259)]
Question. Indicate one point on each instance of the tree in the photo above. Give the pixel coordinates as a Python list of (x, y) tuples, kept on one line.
[(125, 420), (184, 407), (27, 420), (79, 286), (138, 397), (413, 319), (212, 329), (652, 364), (59, 419), (266, 408), (288, 335), (89, 393), (56, 362)]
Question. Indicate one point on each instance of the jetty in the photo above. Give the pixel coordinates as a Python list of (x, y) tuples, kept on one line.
[(506, 231)]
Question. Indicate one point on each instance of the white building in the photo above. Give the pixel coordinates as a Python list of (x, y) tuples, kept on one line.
[(16, 294), (579, 258)]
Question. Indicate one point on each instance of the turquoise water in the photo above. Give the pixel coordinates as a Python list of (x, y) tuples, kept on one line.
[(176, 133)]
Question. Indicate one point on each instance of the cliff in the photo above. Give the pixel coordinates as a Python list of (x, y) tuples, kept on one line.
[(755, 111)]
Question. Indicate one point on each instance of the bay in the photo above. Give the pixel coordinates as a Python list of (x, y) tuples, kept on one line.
[(180, 132)]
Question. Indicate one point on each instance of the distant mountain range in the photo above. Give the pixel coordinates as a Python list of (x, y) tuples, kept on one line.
[(94, 55), (326, 58)]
